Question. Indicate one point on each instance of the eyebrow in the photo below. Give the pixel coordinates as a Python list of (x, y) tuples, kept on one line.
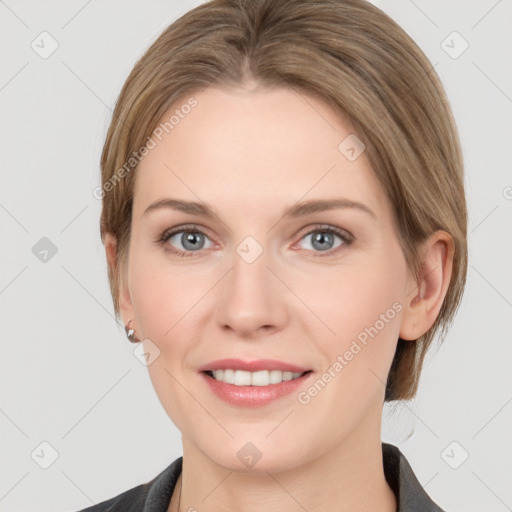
[(294, 211)]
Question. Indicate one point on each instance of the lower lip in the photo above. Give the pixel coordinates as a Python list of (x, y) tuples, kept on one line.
[(253, 396)]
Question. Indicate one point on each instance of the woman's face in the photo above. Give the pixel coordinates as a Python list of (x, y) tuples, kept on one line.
[(321, 289)]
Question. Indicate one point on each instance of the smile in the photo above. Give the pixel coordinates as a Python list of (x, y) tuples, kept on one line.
[(254, 395), (258, 378)]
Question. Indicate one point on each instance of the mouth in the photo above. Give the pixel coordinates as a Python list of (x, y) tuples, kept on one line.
[(259, 378), (253, 383), (255, 389)]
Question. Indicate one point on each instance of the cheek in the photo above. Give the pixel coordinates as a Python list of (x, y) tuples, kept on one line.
[(351, 299), (159, 294), (362, 309), (164, 298)]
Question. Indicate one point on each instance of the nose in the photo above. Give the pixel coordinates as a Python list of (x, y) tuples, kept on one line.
[(252, 300)]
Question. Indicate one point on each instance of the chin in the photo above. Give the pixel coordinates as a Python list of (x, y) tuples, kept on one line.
[(255, 457)]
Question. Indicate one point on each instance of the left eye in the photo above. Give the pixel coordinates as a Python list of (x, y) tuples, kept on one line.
[(322, 240)]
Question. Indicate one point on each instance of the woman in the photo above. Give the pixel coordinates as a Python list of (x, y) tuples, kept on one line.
[(284, 220)]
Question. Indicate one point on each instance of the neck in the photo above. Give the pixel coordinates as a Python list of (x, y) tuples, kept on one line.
[(346, 477)]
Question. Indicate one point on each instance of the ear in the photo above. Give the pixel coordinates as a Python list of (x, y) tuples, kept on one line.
[(126, 308), (423, 302)]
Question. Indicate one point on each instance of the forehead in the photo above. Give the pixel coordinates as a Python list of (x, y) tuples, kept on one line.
[(253, 148)]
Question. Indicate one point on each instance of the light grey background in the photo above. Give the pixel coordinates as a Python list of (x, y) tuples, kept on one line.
[(68, 375)]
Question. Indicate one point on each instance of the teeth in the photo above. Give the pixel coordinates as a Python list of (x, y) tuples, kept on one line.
[(260, 378)]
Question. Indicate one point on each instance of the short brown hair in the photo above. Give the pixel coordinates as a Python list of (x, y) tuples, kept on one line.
[(358, 60)]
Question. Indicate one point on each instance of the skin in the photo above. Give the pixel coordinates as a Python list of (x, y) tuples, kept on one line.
[(251, 152)]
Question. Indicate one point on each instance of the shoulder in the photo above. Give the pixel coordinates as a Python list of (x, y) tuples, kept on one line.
[(153, 496), (411, 496)]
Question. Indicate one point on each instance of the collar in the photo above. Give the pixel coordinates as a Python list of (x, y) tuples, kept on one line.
[(410, 495)]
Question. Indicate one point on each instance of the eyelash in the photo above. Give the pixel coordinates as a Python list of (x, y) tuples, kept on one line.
[(191, 228)]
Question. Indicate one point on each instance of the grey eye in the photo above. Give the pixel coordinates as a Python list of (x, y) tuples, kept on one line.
[(189, 240), (322, 240)]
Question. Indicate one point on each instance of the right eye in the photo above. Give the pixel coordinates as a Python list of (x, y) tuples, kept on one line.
[(189, 238)]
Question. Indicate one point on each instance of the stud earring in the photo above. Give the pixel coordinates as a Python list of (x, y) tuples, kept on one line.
[(130, 333)]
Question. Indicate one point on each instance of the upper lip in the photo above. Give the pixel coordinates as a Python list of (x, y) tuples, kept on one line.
[(252, 366)]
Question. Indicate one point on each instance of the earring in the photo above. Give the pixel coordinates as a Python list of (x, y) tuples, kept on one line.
[(130, 333)]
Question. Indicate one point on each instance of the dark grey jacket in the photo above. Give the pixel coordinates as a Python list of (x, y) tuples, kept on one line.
[(155, 495)]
